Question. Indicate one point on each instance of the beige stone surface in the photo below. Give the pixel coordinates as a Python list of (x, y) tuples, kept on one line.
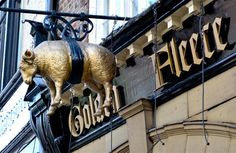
[(176, 144), (195, 144), (138, 119), (119, 136), (173, 111), (232, 147), (217, 90), (103, 144), (218, 145), (224, 113), (97, 146), (159, 148), (137, 133)]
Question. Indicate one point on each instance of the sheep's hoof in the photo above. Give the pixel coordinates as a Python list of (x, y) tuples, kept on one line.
[(61, 104), (107, 103), (98, 112), (51, 110), (55, 103)]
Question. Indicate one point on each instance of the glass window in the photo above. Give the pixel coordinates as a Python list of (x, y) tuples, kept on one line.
[(25, 39), (123, 8), (9, 39)]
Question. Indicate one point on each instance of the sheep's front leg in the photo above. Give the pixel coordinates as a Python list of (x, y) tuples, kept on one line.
[(57, 98), (52, 90), (55, 101)]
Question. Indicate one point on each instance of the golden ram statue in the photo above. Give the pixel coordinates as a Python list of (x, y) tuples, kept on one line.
[(53, 60)]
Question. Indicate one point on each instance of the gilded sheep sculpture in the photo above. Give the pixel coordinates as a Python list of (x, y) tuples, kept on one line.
[(53, 60)]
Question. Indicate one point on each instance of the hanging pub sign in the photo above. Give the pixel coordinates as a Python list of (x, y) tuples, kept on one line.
[(82, 117), (175, 59)]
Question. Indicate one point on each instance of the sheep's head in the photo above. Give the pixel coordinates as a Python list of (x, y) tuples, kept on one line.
[(27, 67)]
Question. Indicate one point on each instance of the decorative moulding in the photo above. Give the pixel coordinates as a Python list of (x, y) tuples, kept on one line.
[(134, 108)]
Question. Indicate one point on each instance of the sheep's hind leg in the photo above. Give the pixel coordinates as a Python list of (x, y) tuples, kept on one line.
[(98, 88), (51, 110), (108, 97)]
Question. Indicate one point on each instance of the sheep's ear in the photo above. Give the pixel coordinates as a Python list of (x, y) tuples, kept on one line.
[(28, 56)]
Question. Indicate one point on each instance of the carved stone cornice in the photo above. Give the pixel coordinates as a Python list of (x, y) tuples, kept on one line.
[(194, 128), (172, 22), (124, 148), (134, 108)]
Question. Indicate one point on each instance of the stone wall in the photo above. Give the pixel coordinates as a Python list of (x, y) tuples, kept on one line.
[(179, 120)]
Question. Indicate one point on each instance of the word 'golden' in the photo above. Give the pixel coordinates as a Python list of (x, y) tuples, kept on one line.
[(85, 118)]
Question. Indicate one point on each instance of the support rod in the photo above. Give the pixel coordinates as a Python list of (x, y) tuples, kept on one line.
[(64, 14), (2, 2)]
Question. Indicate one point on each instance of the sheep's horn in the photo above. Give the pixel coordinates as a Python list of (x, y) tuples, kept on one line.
[(28, 55)]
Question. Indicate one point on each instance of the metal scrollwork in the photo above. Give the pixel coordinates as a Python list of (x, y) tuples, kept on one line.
[(60, 28)]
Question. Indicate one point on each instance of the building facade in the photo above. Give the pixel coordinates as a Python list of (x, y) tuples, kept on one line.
[(175, 86)]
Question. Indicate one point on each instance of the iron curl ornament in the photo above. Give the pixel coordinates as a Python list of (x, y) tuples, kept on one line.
[(60, 28)]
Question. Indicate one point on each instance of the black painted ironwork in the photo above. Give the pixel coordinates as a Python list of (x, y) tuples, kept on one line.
[(37, 31), (60, 28)]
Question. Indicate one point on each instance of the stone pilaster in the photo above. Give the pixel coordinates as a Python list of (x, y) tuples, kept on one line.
[(139, 119)]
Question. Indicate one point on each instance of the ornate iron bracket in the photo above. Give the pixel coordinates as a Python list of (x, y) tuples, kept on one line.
[(60, 28), (54, 22)]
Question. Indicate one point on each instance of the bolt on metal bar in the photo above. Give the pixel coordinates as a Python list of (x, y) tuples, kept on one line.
[(64, 14)]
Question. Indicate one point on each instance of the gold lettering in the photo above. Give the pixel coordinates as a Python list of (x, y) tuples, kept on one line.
[(116, 103), (96, 104), (92, 110), (175, 57), (76, 125), (182, 52), (164, 54), (207, 30), (157, 75), (195, 47), (189, 52), (106, 112), (87, 116), (217, 28)]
